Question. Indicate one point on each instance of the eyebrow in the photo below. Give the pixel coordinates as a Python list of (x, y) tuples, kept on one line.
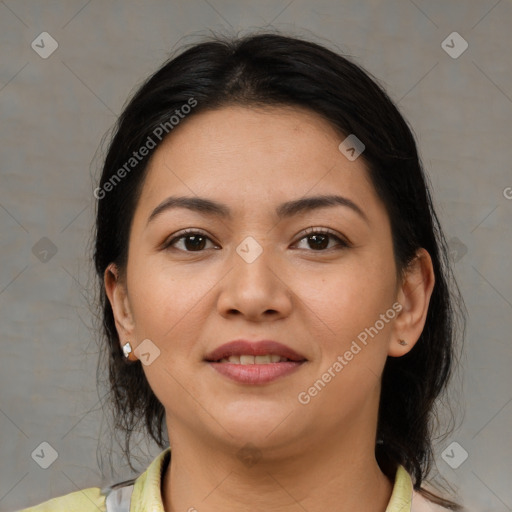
[(285, 210)]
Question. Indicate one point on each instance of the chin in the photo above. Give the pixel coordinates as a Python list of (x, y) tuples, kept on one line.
[(263, 423)]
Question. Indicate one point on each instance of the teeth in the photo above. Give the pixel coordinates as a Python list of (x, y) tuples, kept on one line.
[(262, 359), (247, 359)]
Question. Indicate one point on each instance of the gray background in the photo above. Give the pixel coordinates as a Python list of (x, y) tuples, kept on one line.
[(55, 111)]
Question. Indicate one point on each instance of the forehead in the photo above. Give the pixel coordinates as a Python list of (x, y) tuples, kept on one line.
[(254, 154), (236, 132)]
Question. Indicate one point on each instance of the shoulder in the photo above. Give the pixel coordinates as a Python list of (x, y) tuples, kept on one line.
[(146, 492), (84, 500)]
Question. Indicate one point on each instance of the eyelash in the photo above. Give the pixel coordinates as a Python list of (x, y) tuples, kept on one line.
[(342, 244)]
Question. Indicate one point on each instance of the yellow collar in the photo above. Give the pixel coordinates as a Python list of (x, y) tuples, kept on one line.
[(401, 497), (147, 494)]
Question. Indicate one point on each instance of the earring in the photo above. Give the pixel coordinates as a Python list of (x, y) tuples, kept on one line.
[(403, 342), (127, 349)]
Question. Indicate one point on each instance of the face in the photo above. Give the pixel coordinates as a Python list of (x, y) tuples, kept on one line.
[(321, 281)]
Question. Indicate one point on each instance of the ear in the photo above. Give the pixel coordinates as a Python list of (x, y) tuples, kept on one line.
[(414, 296), (115, 289)]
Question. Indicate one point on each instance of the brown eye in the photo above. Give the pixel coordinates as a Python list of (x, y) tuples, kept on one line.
[(193, 241), (318, 239)]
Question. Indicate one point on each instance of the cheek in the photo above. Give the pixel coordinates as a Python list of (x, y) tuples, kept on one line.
[(344, 315), (347, 297), (166, 299)]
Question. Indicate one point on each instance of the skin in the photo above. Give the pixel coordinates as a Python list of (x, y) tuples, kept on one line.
[(319, 455)]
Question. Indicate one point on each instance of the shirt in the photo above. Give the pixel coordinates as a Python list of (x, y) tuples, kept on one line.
[(147, 497)]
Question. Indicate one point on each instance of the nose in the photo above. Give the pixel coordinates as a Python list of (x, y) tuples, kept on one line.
[(256, 290)]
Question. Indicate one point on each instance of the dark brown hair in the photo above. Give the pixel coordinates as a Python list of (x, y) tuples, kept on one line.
[(276, 70)]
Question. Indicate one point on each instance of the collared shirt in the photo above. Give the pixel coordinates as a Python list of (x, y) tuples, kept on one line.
[(147, 497)]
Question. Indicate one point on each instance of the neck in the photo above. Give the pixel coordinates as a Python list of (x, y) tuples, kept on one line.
[(338, 474)]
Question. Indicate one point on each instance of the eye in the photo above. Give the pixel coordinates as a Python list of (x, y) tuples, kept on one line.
[(320, 238), (193, 240)]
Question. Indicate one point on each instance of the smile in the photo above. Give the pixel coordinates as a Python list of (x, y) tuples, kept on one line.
[(255, 370), (254, 362), (248, 359)]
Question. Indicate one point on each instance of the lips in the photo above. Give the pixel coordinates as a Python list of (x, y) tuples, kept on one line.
[(254, 362), (253, 348)]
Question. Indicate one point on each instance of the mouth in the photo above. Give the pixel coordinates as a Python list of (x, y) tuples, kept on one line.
[(253, 352), (249, 359), (257, 362)]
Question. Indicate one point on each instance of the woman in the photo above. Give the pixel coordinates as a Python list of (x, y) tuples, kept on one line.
[(275, 287)]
